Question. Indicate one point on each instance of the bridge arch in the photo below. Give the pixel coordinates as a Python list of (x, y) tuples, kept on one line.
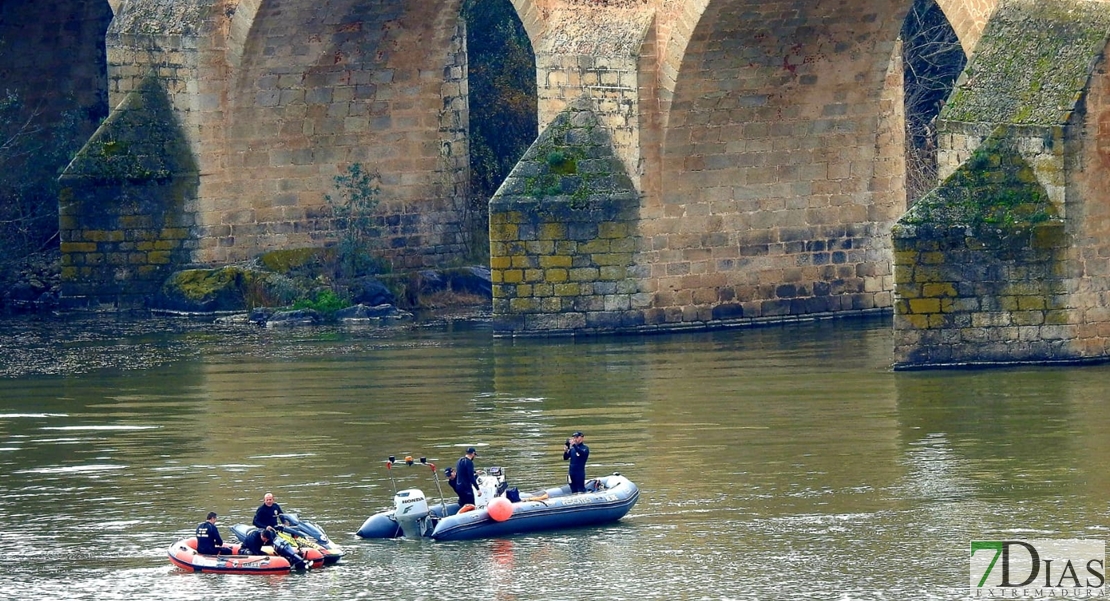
[(380, 83), (781, 167), (533, 15), (968, 18), (239, 30)]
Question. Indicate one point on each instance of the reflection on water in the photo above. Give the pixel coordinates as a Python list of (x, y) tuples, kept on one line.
[(773, 463)]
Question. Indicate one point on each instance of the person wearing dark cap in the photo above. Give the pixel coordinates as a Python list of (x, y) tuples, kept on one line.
[(209, 541), (465, 480), (576, 451), (452, 481)]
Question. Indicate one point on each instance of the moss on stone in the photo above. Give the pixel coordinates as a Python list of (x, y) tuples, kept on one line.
[(136, 144), (996, 187), (1032, 63), (206, 284), (297, 259), (573, 159)]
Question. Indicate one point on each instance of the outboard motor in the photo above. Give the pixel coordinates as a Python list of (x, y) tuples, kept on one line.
[(410, 511)]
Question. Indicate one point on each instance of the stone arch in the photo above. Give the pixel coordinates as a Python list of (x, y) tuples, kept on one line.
[(239, 30), (532, 15), (381, 83), (968, 18), (781, 160)]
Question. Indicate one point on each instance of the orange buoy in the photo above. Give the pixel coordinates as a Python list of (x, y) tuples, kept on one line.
[(500, 509)]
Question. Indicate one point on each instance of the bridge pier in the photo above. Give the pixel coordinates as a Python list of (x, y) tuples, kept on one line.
[(767, 153), (1006, 261)]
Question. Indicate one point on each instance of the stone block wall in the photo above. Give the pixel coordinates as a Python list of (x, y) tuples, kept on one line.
[(1087, 206), (563, 234), (272, 102), (559, 268), (125, 222), (595, 52), (1043, 148), (171, 42), (994, 297), (968, 17), (128, 205), (121, 242), (312, 88), (781, 166), (1006, 261)]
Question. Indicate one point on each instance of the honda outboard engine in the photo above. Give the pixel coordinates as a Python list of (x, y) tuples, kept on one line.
[(410, 511)]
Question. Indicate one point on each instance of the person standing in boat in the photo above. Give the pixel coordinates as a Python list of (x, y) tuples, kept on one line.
[(465, 479), (267, 513), (209, 541), (576, 451)]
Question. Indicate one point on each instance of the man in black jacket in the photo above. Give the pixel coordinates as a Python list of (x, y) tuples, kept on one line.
[(209, 541), (465, 477), (267, 513), (576, 451), (256, 539), (452, 481)]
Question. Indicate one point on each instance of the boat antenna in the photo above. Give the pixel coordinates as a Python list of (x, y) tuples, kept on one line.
[(435, 474), (389, 468)]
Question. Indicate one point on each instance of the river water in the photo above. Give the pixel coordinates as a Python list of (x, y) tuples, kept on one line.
[(774, 463)]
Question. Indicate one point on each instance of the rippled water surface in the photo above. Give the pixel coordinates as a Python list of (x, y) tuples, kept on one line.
[(774, 463)]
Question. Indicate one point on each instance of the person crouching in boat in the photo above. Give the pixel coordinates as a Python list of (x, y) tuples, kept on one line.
[(256, 539), (209, 541)]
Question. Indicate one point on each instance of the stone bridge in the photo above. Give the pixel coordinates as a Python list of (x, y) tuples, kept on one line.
[(701, 163)]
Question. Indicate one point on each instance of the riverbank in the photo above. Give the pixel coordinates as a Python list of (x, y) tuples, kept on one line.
[(33, 286)]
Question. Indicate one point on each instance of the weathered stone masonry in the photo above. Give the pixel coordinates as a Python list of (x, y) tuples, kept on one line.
[(125, 222), (766, 152), (1007, 261), (759, 145), (273, 99), (981, 266), (563, 234)]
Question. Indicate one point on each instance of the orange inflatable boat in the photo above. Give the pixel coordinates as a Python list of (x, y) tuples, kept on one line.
[(183, 554)]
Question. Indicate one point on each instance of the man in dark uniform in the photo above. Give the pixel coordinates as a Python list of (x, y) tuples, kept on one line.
[(256, 539), (576, 451), (209, 541), (465, 478), (452, 481), (267, 513)]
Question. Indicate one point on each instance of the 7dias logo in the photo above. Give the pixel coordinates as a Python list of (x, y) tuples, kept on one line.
[(1024, 569)]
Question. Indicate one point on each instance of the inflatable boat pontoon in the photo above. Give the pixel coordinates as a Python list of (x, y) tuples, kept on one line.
[(607, 499)]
